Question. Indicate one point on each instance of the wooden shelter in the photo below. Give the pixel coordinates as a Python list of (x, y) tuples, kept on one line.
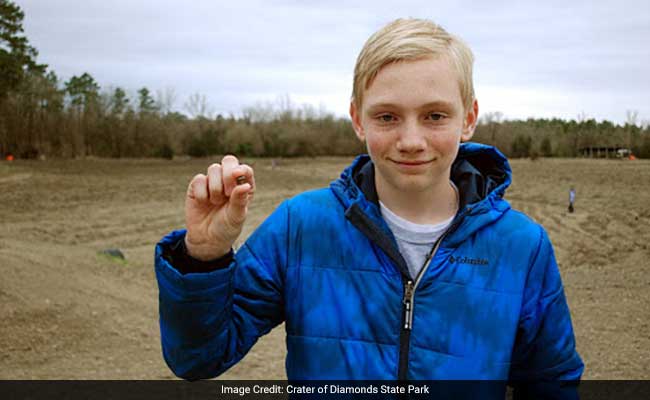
[(605, 152)]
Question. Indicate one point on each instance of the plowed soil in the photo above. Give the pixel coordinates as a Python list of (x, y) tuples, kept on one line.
[(67, 312)]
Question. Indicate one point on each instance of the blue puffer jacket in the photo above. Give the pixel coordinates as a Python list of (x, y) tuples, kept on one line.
[(490, 305)]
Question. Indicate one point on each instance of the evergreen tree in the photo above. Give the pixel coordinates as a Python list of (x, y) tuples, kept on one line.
[(54, 96), (119, 102), (84, 98), (147, 105), (17, 57), (83, 91)]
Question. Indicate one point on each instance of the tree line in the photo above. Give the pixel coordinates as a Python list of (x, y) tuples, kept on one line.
[(43, 116), (535, 137)]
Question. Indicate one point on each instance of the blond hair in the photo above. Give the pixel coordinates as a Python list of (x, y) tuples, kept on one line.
[(412, 39)]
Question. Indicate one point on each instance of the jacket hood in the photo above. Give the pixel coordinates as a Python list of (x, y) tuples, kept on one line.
[(481, 173)]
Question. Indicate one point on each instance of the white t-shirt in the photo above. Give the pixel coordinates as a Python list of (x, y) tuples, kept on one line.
[(414, 240)]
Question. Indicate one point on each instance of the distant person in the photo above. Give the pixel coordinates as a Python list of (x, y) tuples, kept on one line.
[(572, 199), (410, 266)]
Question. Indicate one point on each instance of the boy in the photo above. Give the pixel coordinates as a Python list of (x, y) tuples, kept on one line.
[(410, 266)]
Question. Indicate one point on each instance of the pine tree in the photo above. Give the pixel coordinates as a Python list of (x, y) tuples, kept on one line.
[(83, 91), (17, 57)]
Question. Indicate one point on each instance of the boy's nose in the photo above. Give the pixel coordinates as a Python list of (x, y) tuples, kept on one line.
[(411, 138)]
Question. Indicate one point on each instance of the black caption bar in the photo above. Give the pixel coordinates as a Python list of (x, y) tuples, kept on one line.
[(313, 390)]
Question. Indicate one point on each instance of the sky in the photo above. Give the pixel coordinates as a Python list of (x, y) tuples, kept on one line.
[(564, 59)]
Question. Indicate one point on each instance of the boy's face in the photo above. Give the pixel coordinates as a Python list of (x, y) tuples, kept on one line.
[(413, 120)]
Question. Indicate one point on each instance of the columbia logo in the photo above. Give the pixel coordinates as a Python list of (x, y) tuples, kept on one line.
[(468, 260)]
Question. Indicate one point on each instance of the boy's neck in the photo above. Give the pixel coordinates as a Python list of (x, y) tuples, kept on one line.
[(427, 207)]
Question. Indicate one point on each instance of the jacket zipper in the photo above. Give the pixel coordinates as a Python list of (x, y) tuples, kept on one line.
[(409, 289), (408, 302)]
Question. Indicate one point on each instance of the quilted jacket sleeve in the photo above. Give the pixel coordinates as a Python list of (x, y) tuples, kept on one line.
[(209, 321), (545, 364)]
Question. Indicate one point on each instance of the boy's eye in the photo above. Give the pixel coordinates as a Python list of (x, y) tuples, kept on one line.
[(386, 118), (435, 116)]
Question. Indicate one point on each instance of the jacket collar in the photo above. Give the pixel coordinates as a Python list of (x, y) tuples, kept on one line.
[(481, 173)]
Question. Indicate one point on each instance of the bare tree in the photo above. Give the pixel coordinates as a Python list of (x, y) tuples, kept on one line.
[(285, 107), (631, 117), (166, 99), (582, 117), (630, 121), (645, 124), (491, 119), (260, 112), (197, 106)]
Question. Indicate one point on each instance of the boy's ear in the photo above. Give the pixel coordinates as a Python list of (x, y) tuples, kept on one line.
[(356, 121), (469, 124)]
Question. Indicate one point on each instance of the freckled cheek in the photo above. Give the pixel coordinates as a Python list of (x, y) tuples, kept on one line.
[(449, 147), (446, 139), (377, 145)]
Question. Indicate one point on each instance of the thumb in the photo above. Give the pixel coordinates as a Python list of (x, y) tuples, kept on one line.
[(238, 203)]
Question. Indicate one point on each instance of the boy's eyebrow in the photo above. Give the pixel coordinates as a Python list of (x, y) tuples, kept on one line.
[(438, 104), (431, 104)]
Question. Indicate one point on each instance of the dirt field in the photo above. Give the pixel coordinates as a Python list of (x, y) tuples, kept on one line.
[(67, 313)]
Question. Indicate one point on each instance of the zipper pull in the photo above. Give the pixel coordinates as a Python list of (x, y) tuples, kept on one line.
[(408, 294), (408, 290)]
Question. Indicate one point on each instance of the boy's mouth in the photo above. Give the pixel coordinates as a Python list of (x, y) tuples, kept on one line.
[(411, 163)]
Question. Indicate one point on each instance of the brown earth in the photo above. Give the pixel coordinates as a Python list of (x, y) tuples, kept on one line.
[(68, 313)]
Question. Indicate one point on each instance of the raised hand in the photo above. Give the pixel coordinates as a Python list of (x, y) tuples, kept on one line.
[(216, 207)]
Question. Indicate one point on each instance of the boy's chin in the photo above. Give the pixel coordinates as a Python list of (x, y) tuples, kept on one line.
[(413, 183)]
